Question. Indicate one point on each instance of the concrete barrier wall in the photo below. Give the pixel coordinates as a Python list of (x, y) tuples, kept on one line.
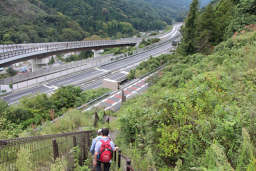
[(111, 84), (45, 78)]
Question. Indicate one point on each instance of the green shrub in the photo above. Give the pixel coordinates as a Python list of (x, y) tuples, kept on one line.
[(200, 111)]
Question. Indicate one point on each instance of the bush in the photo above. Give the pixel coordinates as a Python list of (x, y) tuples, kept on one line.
[(199, 112), (148, 42), (11, 71), (33, 111), (81, 56)]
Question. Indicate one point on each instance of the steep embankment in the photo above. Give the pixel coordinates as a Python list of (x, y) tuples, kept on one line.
[(199, 113)]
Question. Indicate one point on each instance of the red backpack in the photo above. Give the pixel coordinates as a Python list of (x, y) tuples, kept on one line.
[(105, 151)]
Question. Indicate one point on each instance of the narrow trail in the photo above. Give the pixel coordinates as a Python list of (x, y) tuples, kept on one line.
[(113, 133)]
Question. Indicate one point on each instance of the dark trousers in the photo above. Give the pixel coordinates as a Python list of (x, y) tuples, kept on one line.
[(102, 166)]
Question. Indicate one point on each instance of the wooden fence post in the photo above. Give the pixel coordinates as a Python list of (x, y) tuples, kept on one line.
[(107, 120), (96, 119), (128, 165), (104, 115), (74, 141), (119, 158), (114, 155), (123, 97), (82, 149), (86, 146), (55, 149)]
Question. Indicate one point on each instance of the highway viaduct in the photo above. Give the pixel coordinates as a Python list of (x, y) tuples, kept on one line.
[(11, 54)]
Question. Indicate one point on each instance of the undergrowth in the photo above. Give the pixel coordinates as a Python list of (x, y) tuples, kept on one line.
[(199, 114)]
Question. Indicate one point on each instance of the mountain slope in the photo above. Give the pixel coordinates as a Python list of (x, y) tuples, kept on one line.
[(198, 114), (218, 21), (22, 21), (98, 16), (65, 20)]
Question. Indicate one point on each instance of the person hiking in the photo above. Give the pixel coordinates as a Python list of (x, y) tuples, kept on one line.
[(103, 152), (95, 140)]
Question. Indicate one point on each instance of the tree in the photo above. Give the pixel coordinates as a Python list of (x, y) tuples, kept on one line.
[(188, 31), (3, 107), (248, 6), (66, 97), (52, 61), (11, 71), (206, 30)]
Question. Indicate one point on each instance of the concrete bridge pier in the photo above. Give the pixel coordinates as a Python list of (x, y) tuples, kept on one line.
[(38, 63), (97, 53)]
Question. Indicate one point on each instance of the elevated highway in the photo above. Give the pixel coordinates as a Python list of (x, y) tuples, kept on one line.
[(92, 78), (10, 54)]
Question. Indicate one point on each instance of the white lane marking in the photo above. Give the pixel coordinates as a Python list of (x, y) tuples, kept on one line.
[(172, 33), (103, 70), (47, 86), (53, 87), (131, 66), (110, 80), (124, 72)]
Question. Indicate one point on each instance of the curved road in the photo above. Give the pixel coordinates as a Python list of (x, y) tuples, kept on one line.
[(115, 70)]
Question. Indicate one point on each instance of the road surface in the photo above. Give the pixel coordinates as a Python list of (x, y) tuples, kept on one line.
[(92, 78)]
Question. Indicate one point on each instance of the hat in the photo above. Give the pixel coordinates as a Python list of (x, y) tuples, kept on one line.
[(99, 131)]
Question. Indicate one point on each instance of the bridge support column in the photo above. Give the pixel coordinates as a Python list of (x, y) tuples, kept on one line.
[(96, 53), (35, 66), (37, 63)]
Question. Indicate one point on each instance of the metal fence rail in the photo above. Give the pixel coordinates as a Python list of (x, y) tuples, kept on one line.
[(43, 150)]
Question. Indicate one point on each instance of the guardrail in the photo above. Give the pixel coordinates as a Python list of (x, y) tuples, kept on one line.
[(42, 151), (16, 50)]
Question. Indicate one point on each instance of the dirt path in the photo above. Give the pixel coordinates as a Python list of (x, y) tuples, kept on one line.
[(113, 133)]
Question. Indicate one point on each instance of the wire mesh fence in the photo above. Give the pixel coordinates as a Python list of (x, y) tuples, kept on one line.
[(42, 151)]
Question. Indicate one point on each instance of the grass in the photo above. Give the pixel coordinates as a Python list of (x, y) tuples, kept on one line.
[(72, 120), (214, 93)]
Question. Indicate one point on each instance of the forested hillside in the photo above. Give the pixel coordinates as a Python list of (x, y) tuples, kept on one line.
[(200, 112), (23, 21), (65, 20), (206, 28)]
